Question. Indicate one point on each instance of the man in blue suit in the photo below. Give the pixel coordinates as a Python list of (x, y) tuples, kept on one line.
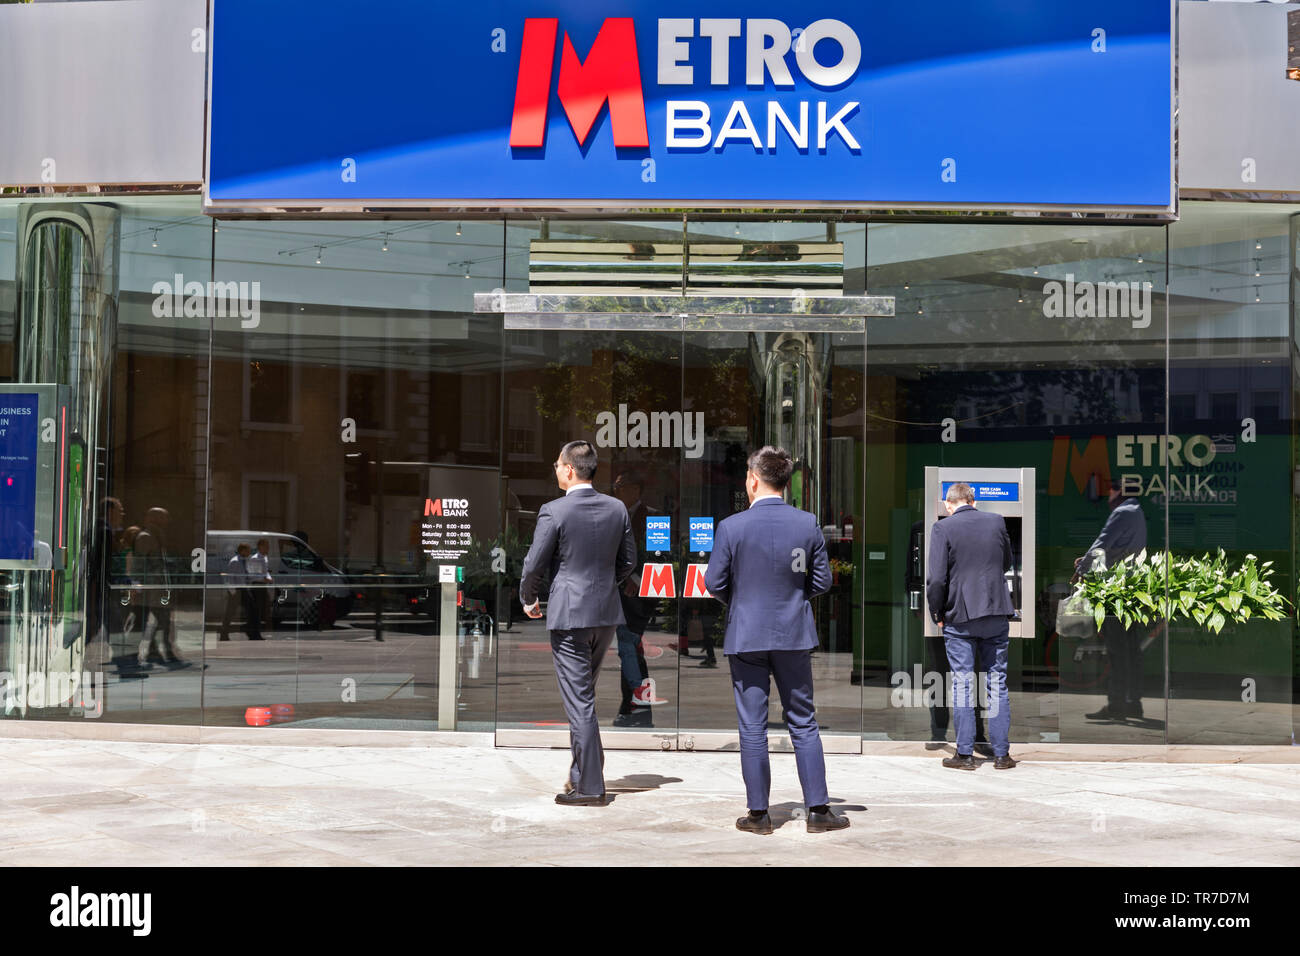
[(969, 553), (767, 563)]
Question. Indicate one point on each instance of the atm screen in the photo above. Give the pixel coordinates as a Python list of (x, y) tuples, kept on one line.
[(987, 490)]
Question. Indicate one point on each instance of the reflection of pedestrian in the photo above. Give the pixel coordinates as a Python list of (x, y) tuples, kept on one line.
[(767, 563), (150, 562), (99, 607), (240, 595), (1123, 535), (634, 674), (967, 596), (260, 580)]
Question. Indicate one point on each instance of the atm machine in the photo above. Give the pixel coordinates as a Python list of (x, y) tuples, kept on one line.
[(1004, 491)]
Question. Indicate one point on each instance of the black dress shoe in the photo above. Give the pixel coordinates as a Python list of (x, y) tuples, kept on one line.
[(575, 799), (709, 662), (830, 820), (984, 750), (959, 762), (935, 744), (1134, 709), (1004, 763), (750, 824), (1108, 713)]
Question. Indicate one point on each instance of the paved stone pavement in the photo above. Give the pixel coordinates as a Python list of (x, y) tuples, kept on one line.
[(104, 802)]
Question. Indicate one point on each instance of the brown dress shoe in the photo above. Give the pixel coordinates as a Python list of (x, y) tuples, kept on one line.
[(750, 824), (1004, 763), (822, 822), (960, 762)]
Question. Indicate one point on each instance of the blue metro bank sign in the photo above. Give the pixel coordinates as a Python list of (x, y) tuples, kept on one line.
[(653, 103)]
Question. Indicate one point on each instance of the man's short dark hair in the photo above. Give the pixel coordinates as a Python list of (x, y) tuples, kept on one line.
[(774, 466), (960, 493), (582, 456)]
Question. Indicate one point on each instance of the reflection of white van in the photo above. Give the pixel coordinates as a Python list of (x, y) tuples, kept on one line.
[(306, 588)]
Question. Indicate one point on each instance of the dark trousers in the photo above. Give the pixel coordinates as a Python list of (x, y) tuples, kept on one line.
[(252, 612), (751, 677), (578, 654), (250, 602), (1124, 652)]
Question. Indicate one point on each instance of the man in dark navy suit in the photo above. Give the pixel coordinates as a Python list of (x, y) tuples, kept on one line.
[(583, 543), (969, 553), (766, 564)]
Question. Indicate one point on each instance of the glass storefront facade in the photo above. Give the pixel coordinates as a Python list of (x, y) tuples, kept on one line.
[(339, 384)]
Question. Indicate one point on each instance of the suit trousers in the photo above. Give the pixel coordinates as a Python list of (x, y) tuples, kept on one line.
[(578, 654), (751, 676)]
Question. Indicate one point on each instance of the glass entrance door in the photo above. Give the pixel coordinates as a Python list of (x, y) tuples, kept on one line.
[(675, 404), (800, 390)]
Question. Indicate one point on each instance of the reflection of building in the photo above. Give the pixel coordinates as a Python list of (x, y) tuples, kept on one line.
[(368, 366)]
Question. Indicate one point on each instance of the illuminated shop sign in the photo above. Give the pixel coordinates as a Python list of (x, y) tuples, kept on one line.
[(648, 103)]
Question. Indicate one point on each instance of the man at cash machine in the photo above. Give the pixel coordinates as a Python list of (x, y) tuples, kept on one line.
[(970, 552)]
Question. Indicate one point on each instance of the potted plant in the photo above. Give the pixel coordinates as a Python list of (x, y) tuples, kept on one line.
[(1163, 587)]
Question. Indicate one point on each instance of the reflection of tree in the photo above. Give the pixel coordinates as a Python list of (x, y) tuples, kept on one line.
[(480, 579), (1009, 398), (642, 370)]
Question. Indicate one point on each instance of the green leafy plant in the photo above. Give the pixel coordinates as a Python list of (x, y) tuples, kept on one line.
[(1160, 586)]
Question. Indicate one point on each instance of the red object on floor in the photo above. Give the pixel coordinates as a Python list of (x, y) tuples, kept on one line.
[(257, 716)]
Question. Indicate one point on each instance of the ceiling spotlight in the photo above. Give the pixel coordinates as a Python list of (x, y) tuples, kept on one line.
[(737, 232), (1256, 293), (385, 246), (906, 286), (1035, 270), (1020, 296), (920, 311), (1258, 245), (320, 250), (458, 229), (1256, 268), (216, 228), (467, 270), (155, 238), (1139, 257)]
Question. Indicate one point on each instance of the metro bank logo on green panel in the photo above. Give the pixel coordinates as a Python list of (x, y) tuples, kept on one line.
[(659, 102)]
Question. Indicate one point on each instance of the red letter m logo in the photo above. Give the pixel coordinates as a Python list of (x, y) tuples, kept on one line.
[(433, 506), (611, 72)]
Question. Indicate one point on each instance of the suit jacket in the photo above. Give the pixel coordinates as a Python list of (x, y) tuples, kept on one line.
[(753, 571), (583, 542), (1124, 534), (969, 553)]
